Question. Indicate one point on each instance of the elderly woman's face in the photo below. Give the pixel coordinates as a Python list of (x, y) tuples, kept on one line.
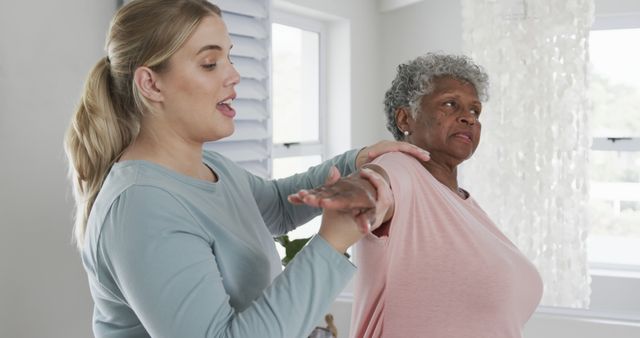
[(447, 124)]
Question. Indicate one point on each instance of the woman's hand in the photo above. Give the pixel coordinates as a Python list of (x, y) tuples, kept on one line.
[(353, 192), (369, 153), (353, 205)]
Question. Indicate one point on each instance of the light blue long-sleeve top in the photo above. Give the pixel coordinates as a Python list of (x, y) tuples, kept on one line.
[(168, 255)]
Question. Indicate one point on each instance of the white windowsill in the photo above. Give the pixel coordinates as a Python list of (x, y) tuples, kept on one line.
[(615, 271), (628, 319)]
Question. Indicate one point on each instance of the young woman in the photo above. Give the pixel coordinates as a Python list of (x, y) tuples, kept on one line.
[(177, 242)]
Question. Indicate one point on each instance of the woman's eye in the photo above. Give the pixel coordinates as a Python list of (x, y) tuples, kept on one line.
[(450, 104), (209, 66)]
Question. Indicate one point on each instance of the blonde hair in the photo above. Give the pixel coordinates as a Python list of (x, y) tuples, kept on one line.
[(107, 119)]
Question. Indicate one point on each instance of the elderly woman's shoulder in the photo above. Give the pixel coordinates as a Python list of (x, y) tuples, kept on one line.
[(396, 158)]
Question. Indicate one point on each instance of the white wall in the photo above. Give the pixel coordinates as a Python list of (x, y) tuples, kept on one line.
[(617, 14), (413, 30), (46, 49), (612, 7)]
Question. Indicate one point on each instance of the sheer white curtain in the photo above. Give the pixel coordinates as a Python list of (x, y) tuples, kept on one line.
[(529, 172)]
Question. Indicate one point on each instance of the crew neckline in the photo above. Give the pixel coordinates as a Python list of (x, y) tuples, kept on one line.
[(209, 185), (443, 186)]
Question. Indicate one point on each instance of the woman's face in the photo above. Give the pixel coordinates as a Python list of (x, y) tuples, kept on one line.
[(447, 124), (198, 85)]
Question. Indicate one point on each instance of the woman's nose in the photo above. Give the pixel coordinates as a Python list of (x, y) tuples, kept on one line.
[(233, 78), (468, 118)]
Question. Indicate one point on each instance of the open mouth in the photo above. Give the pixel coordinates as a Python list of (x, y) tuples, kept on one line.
[(225, 107)]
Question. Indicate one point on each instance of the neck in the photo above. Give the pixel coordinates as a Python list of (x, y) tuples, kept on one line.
[(445, 173), (170, 151)]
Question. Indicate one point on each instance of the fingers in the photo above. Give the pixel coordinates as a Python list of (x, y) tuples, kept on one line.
[(305, 197), (417, 152), (376, 180), (302, 197), (333, 176), (363, 223), (362, 193), (297, 198), (320, 199), (389, 146), (384, 198), (346, 203)]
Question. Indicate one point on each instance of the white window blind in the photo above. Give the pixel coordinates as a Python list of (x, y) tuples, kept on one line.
[(250, 31)]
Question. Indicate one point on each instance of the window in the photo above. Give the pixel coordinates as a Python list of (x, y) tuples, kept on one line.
[(614, 237), (614, 206), (298, 109)]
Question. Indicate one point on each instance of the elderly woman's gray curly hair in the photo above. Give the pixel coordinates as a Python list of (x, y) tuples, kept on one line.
[(415, 79)]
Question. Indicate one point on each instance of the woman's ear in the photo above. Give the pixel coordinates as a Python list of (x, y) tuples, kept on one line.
[(147, 82), (404, 121)]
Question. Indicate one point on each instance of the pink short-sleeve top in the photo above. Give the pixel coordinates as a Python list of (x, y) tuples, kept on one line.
[(444, 270)]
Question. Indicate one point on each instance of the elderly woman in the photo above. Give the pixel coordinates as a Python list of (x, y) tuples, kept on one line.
[(438, 266)]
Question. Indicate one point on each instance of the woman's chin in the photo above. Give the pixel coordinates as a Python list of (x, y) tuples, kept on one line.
[(226, 131)]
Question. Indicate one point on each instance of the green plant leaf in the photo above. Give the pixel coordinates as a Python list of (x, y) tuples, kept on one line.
[(291, 247)]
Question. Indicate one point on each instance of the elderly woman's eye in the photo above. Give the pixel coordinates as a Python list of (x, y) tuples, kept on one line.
[(450, 104)]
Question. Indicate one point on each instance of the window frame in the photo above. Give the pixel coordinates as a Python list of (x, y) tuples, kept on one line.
[(615, 144), (283, 150)]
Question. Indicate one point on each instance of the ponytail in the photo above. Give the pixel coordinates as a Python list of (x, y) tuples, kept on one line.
[(99, 132)]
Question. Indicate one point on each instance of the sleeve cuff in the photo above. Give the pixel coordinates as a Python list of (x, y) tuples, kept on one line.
[(341, 262), (351, 158)]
